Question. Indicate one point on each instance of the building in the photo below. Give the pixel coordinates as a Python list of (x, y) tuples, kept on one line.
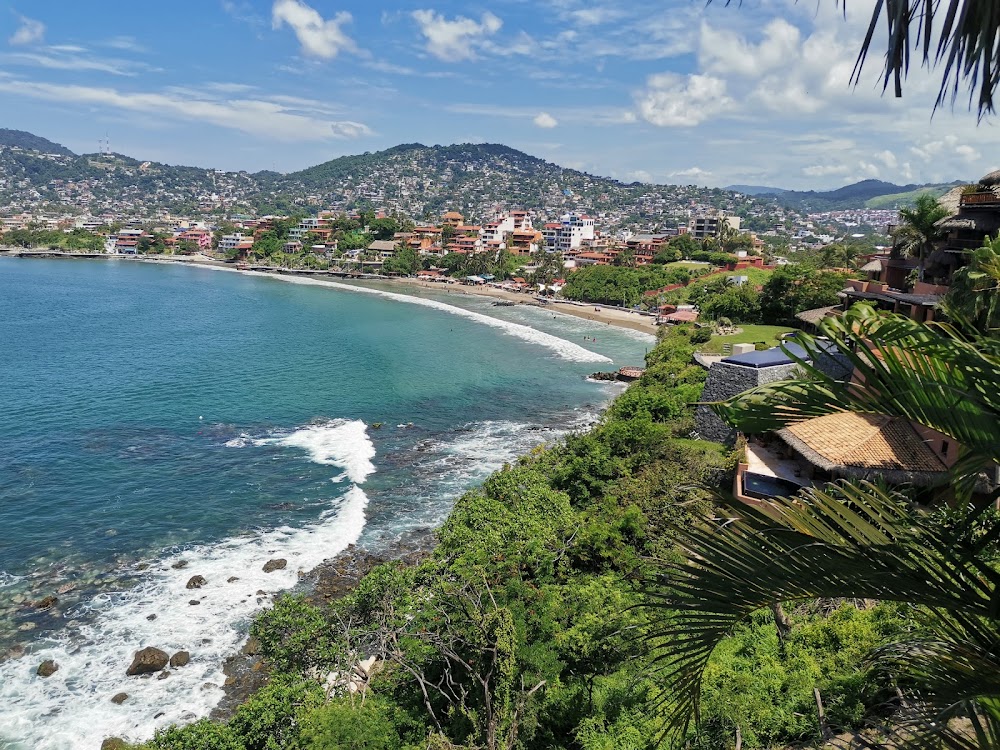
[(571, 231), (708, 226)]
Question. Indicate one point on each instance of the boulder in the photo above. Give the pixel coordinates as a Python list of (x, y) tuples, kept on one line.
[(120, 698), (47, 603), (163, 675), (232, 579), (151, 617), (194, 602), (196, 582), (252, 647), (47, 668), (179, 564), (272, 565), (180, 659), (147, 661), (114, 743)]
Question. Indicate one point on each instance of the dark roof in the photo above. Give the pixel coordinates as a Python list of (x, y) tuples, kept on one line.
[(767, 358)]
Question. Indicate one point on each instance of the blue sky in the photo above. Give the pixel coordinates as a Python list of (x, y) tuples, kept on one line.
[(675, 91)]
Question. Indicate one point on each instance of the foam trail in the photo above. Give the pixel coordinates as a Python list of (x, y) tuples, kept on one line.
[(337, 443), (73, 709), (565, 349)]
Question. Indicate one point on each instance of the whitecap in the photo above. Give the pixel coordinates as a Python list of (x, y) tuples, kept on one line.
[(73, 709), (339, 442)]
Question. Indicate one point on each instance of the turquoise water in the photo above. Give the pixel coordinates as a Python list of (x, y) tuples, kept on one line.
[(154, 414)]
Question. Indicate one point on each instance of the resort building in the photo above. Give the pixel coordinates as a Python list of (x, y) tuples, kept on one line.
[(706, 226)]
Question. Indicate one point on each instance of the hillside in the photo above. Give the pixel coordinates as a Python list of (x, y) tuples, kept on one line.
[(756, 189), (30, 142), (412, 179), (867, 193)]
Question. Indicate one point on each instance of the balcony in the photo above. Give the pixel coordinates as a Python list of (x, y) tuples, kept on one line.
[(980, 199)]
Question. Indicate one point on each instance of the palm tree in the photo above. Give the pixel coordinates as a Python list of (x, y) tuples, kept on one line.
[(974, 298), (918, 232), (855, 539)]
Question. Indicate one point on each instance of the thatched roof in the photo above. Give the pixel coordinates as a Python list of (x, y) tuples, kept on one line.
[(986, 222), (952, 199), (866, 446), (814, 317), (990, 180), (872, 265)]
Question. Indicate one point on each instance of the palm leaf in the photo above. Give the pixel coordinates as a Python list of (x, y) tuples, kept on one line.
[(961, 35), (852, 539)]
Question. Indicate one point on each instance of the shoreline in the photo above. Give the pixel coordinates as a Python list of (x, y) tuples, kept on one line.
[(602, 315), (337, 575)]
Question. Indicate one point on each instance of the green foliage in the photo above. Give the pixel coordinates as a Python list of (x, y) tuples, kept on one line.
[(293, 634), (792, 289), (406, 261), (614, 285), (375, 724), (202, 735), (741, 304), (270, 718)]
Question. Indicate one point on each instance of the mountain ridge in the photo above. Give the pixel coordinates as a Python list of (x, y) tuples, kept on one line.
[(31, 142)]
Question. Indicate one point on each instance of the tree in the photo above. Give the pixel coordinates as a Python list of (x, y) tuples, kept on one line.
[(856, 539), (792, 289), (917, 232), (974, 297)]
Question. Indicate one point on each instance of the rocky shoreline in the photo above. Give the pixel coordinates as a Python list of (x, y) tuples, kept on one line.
[(246, 672)]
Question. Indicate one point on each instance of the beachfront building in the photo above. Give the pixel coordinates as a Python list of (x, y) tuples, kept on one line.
[(571, 231), (230, 242)]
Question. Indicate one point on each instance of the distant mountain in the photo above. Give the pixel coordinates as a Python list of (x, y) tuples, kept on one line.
[(755, 189), (31, 142), (864, 194)]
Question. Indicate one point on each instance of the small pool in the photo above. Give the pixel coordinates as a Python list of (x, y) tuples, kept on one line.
[(762, 487)]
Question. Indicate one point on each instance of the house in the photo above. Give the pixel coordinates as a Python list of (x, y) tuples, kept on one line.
[(891, 285), (452, 219), (383, 248)]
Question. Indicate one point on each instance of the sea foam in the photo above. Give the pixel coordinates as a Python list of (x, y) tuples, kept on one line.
[(73, 709)]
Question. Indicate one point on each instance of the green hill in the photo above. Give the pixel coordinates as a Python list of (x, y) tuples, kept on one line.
[(30, 142)]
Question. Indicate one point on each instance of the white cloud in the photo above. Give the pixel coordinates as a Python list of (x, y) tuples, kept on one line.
[(545, 120), (825, 170), (672, 100), (967, 153), (317, 36), (696, 173), (29, 32), (68, 57), (725, 52), (888, 158), (260, 117), (456, 40)]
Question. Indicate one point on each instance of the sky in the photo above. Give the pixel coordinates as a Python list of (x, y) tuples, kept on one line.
[(677, 91)]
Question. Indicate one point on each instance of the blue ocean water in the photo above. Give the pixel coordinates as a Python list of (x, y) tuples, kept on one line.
[(160, 421)]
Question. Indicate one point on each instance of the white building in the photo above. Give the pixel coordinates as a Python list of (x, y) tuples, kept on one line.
[(571, 231), (231, 241)]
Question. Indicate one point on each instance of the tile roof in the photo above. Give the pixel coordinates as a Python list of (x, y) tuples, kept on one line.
[(867, 442)]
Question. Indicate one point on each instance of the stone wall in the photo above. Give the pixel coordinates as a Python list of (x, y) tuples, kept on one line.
[(725, 380)]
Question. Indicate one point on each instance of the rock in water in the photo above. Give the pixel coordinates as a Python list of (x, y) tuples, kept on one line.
[(47, 603), (47, 668), (147, 661), (118, 700), (272, 565), (114, 743), (180, 659), (196, 582), (179, 564)]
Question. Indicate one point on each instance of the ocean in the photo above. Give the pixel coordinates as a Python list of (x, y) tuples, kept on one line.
[(161, 421)]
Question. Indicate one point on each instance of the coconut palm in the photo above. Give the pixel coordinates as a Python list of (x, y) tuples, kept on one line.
[(917, 231), (855, 539)]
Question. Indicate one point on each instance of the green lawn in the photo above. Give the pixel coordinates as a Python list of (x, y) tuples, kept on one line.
[(750, 335), (691, 265)]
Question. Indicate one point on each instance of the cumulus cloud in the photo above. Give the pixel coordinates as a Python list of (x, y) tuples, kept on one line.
[(318, 37), (672, 100), (458, 39), (545, 120), (29, 32), (888, 158), (825, 170), (259, 116), (696, 173)]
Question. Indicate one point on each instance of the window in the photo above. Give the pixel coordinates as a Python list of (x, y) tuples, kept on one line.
[(945, 445)]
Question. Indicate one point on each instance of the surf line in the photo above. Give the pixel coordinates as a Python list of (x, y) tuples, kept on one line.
[(565, 349)]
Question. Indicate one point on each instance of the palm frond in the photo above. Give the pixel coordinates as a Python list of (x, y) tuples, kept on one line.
[(961, 35), (852, 539)]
